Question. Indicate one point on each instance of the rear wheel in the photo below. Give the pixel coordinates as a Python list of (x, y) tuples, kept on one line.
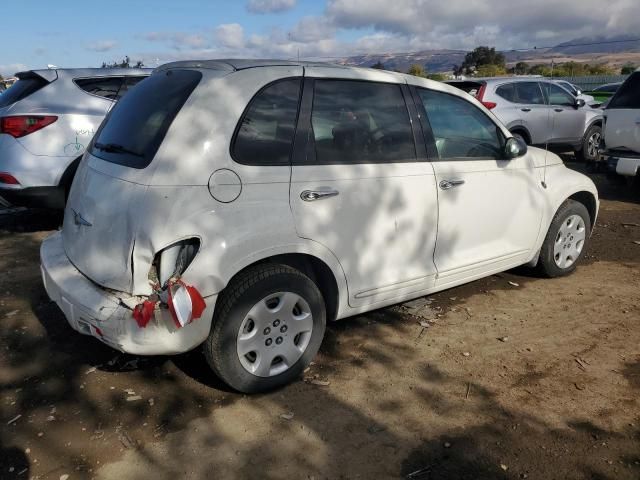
[(566, 240), (268, 327), (590, 146)]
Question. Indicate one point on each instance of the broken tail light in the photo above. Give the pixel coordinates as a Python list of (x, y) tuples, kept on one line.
[(185, 303), (21, 125)]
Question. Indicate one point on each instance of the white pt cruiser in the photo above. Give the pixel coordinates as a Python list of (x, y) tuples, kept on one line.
[(242, 204)]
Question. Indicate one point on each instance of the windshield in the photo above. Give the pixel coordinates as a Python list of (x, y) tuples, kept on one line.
[(134, 129), (21, 89)]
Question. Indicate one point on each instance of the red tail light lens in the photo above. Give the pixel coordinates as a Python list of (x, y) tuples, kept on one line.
[(489, 105), (20, 125), (8, 179), (480, 95)]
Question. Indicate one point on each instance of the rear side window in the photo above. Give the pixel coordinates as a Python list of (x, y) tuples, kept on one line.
[(628, 96), (265, 133), (529, 93), (508, 92), (106, 87), (461, 130), (134, 129), (129, 83), (21, 89), (361, 122)]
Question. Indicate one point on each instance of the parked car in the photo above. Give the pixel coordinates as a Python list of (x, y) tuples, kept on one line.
[(621, 142), (604, 92), (47, 119), (576, 91), (241, 204), (541, 113)]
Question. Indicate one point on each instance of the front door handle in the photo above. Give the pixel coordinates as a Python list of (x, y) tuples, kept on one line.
[(558, 109), (525, 109), (313, 195), (448, 184)]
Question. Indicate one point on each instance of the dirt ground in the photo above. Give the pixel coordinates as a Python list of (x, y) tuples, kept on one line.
[(516, 377)]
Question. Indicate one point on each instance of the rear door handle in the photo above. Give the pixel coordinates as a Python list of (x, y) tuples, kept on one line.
[(313, 195), (448, 184), (525, 109), (558, 109)]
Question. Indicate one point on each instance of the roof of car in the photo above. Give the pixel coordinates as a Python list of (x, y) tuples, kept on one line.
[(233, 64)]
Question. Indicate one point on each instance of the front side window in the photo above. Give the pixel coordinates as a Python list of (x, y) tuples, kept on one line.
[(266, 130), (134, 129), (461, 130), (628, 96), (360, 122), (558, 96), (106, 87), (529, 93)]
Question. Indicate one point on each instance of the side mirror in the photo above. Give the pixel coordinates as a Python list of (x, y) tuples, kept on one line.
[(514, 148), (579, 103)]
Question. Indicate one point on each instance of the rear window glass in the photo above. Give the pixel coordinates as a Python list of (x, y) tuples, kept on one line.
[(106, 87), (472, 88), (134, 129), (628, 96), (21, 89), (508, 92)]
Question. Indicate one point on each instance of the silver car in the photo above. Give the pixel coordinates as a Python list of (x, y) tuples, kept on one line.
[(540, 112), (47, 119)]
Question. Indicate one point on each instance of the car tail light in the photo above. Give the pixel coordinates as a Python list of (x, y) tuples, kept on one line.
[(185, 303), (480, 96), (8, 179), (20, 125)]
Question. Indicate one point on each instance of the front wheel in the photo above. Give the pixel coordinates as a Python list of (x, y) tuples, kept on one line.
[(566, 240), (267, 328)]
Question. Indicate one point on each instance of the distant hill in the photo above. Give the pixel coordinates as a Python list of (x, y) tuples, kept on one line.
[(614, 51)]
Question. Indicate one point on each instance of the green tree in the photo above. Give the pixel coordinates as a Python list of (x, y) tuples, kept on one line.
[(482, 56), (521, 68), (490, 70), (378, 65), (439, 77), (627, 69), (417, 70), (125, 63)]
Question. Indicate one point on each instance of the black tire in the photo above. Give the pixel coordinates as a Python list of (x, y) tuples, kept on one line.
[(546, 263), (585, 153), (242, 293)]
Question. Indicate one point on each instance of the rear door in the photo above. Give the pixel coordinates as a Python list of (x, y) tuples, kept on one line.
[(622, 126), (361, 185), (568, 121), (103, 209), (534, 112), (489, 208)]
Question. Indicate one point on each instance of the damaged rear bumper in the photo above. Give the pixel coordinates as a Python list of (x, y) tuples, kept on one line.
[(106, 315)]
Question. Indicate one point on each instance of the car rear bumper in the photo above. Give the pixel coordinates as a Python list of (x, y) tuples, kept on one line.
[(107, 315), (39, 197), (627, 166)]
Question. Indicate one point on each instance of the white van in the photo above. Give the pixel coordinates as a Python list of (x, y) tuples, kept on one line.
[(621, 142), (241, 204)]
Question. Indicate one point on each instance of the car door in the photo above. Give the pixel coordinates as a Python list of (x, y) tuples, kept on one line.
[(568, 121), (362, 187), (534, 111), (489, 209)]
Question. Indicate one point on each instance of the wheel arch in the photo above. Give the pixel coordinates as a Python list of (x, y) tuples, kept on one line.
[(588, 199), (522, 130), (330, 279)]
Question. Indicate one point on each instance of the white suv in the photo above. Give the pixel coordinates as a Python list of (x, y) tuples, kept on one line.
[(47, 118), (239, 205), (621, 143)]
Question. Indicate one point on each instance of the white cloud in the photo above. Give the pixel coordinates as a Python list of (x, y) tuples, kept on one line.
[(102, 45), (270, 6), (10, 69), (230, 35)]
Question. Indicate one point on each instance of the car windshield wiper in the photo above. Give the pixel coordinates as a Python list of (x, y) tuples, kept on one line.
[(115, 148)]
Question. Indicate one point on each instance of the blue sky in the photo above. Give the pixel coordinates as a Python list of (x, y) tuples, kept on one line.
[(71, 33)]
